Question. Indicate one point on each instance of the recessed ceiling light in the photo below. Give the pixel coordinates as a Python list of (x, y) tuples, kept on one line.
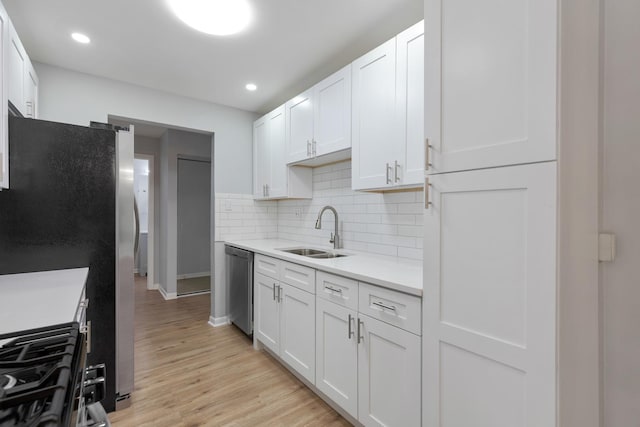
[(80, 38), (217, 17), (251, 87)]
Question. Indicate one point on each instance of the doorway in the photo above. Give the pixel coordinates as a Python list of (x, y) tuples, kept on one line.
[(143, 186), (194, 225)]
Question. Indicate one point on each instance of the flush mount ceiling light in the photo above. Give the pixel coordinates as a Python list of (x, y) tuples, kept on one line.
[(80, 38), (251, 87), (217, 17)]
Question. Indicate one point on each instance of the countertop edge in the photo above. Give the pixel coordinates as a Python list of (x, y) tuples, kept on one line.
[(296, 259)]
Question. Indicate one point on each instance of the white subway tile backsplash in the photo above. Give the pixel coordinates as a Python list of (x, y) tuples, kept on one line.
[(387, 224)]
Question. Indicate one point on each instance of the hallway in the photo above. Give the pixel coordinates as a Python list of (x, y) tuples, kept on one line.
[(190, 374)]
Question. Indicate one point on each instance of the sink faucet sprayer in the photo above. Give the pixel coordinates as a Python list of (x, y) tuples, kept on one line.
[(335, 238)]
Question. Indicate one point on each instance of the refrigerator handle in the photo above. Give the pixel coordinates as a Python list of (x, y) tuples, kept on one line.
[(136, 216)]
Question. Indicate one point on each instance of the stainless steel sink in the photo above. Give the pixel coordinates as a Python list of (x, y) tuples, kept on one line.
[(312, 253)]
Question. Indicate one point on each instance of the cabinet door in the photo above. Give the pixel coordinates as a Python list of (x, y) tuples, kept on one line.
[(332, 113), (4, 68), (490, 82), (261, 158), (388, 375), (267, 312), (17, 58), (337, 355), (297, 330), (373, 121), (489, 329), (410, 106), (299, 127), (278, 154)]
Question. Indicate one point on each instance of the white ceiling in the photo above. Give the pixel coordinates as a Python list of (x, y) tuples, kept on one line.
[(291, 44)]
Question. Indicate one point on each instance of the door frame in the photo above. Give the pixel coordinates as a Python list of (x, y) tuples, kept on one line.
[(151, 284)]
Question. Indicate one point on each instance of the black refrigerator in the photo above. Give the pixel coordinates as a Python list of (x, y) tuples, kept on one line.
[(60, 212)]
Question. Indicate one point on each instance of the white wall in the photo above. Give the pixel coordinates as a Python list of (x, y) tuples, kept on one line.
[(72, 97), (621, 213)]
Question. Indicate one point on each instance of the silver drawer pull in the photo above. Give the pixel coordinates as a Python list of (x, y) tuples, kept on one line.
[(384, 306), (331, 288)]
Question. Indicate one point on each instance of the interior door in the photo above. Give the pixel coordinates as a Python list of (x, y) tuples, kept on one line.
[(489, 305)]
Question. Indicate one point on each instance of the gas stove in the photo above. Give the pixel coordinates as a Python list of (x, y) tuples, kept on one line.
[(43, 380)]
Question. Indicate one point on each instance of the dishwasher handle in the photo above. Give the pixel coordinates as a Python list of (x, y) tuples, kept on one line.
[(240, 253)]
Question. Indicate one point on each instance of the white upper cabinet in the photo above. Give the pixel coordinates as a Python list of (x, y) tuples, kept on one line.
[(410, 104), (373, 116), (490, 83), (332, 113), (22, 79), (318, 129), (299, 130), (273, 179), (388, 114)]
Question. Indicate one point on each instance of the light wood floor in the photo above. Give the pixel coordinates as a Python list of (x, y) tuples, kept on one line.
[(190, 374)]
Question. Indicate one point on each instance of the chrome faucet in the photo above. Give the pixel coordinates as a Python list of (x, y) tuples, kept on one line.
[(335, 238)]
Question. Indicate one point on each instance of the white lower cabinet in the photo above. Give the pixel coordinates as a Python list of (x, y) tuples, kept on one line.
[(357, 343), (337, 354), (388, 375), (285, 323), (297, 330), (267, 311)]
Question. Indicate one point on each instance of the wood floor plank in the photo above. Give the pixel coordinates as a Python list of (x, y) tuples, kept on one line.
[(189, 374)]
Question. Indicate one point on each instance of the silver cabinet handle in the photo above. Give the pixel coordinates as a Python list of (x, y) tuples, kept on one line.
[(427, 203), (279, 293), (350, 330), (387, 174), (427, 147), (360, 337), (395, 169), (266, 190), (314, 147), (274, 291), (308, 147), (332, 289), (384, 306)]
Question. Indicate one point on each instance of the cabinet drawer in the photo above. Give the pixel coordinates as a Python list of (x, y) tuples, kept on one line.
[(390, 306), (266, 265), (299, 276), (337, 289)]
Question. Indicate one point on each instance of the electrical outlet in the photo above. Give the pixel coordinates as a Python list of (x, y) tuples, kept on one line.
[(298, 212)]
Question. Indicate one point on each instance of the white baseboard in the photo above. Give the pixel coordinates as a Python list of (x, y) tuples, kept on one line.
[(194, 294), (154, 287), (219, 321), (136, 271), (166, 295), (193, 275)]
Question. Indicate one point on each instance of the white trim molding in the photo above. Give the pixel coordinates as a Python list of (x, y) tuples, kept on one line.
[(193, 275), (167, 295), (219, 321)]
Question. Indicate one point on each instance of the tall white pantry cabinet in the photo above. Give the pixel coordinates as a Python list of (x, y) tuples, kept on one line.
[(491, 314)]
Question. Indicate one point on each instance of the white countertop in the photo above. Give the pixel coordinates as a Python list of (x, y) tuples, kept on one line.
[(34, 300), (395, 273)]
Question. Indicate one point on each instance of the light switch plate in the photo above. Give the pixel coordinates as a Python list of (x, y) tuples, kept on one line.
[(606, 247)]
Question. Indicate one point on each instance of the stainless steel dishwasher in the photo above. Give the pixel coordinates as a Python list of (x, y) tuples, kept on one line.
[(239, 276)]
